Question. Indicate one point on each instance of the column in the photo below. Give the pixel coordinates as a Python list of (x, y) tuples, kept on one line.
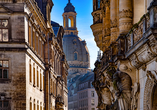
[(125, 16), (114, 20)]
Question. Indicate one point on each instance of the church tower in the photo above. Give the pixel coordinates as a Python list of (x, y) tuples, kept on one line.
[(75, 49), (69, 19)]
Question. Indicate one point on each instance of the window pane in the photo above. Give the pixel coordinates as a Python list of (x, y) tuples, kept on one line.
[(0, 34), (0, 63), (4, 23), (0, 103), (0, 73), (98, 3), (5, 64), (6, 103), (5, 73), (5, 34), (75, 56)]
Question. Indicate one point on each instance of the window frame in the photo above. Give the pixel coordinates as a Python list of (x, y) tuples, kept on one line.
[(4, 68), (7, 27), (6, 108), (75, 56), (98, 4)]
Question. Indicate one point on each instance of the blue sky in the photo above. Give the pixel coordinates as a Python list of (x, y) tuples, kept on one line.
[(84, 21)]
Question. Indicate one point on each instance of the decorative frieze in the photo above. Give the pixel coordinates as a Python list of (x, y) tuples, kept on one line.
[(125, 14)]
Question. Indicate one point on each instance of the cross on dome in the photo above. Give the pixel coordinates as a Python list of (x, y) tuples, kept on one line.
[(69, 1)]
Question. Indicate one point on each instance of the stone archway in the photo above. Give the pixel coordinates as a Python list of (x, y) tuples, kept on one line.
[(148, 94), (154, 98)]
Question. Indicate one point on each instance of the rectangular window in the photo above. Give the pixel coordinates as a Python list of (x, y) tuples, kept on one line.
[(4, 105), (37, 78), (92, 93), (34, 39), (30, 108), (37, 107), (98, 2), (92, 102), (30, 72), (34, 76), (43, 83), (30, 35), (36, 43), (40, 81), (4, 69), (4, 30), (39, 48), (34, 107)]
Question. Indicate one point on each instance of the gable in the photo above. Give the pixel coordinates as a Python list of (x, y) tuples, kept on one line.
[(4, 9)]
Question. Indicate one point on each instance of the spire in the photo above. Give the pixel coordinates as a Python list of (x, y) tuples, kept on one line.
[(69, 1)]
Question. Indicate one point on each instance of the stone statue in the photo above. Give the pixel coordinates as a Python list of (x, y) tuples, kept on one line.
[(122, 84), (134, 94), (104, 93)]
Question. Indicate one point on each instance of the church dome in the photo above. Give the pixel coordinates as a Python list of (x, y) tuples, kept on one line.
[(69, 8), (76, 51)]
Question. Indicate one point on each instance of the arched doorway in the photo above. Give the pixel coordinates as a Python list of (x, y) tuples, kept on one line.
[(150, 92), (154, 98)]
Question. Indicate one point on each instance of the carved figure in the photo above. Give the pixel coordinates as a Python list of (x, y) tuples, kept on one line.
[(134, 95), (96, 18), (122, 84)]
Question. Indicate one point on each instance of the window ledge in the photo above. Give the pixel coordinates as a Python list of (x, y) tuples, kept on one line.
[(5, 80)]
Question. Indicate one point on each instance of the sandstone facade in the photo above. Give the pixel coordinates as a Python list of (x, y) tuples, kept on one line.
[(125, 74), (33, 68)]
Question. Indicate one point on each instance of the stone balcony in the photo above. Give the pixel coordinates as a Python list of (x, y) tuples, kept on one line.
[(97, 27)]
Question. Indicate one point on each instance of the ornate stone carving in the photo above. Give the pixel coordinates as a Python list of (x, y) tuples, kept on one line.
[(114, 23), (122, 84), (134, 98), (153, 46), (148, 90), (96, 18), (146, 55), (129, 41), (134, 61), (125, 14), (138, 33)]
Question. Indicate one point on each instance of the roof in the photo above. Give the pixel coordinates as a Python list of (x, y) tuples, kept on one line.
[(55, 27), (87, 77), (69, 8)]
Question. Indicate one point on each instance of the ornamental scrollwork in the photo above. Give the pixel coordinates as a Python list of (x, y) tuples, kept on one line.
[(135, 61)]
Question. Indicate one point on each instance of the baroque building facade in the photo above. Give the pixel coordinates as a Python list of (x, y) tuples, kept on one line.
[(80, 76), (126, 74), (33, 67)]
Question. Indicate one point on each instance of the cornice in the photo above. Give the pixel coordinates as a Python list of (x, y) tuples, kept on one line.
[(36, 12)]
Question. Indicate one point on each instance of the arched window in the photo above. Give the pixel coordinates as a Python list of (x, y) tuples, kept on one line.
[(75, 56), (69, 22)]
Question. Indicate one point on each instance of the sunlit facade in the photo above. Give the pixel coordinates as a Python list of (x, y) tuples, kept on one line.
[(33, 67), (125, 73)]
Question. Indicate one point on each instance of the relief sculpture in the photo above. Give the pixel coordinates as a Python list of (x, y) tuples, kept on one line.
[(122, 84)]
